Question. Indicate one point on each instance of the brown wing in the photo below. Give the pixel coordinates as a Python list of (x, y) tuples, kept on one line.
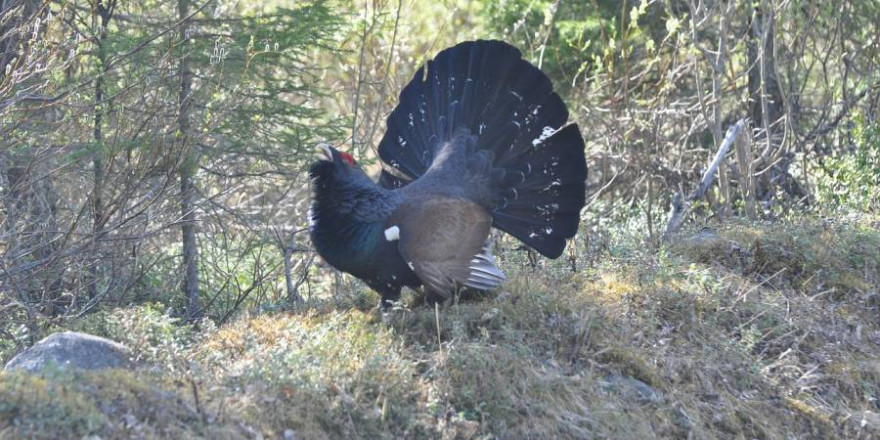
[(442, 239)]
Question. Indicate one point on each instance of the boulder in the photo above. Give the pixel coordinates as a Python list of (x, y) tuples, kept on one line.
[(72, 350), (630, 387)]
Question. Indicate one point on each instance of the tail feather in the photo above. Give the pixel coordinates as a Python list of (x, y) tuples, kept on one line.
[(538, 170), (484, 274), (390, 181)]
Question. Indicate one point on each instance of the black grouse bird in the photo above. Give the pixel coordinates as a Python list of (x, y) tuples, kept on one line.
[(478, 140)]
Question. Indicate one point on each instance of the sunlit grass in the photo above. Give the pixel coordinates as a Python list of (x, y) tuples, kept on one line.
[(742, 331)]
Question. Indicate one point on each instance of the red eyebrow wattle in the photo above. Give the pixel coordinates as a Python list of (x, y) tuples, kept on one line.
[(348, 158)]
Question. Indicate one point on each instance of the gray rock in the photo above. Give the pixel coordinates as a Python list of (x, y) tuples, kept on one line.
[(71, 350), (630, 387), (705, 235)]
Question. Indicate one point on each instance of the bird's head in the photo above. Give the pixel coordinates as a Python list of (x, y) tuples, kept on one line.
[(335, 168), (326, 153)]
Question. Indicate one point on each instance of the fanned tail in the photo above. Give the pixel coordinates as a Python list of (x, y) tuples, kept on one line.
[(538, 172)]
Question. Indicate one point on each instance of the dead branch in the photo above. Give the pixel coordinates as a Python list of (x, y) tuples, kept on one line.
[(680, 208)]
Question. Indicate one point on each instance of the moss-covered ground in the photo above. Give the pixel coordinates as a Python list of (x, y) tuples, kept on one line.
[(741, 331)]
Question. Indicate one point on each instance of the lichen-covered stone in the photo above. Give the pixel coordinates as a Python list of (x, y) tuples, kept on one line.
[(72, 350)]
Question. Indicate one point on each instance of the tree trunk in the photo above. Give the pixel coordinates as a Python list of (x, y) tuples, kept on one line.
[(102, 20), (717, 133), (765, 95), (190, 247), (744, 158), (292, 294), (187, 175)]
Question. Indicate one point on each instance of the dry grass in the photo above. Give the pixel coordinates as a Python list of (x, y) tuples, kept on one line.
[(747, 331)]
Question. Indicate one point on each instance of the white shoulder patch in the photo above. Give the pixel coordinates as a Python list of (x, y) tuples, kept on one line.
[(392, 233)]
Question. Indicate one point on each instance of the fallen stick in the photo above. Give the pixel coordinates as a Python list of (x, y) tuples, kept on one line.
[(680, 206)]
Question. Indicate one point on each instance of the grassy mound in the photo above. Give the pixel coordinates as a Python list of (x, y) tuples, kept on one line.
[(744, 331)]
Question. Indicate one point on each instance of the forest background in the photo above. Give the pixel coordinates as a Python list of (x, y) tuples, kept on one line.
[(154, 156)]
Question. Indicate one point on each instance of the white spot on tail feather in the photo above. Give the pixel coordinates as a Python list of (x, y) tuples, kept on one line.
[(545, 133), (392, 233)]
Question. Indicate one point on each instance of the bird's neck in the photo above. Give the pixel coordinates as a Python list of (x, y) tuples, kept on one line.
[(341, 239), (346, 224)]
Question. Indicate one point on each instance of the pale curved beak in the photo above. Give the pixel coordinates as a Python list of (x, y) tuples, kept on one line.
[(324, 152)]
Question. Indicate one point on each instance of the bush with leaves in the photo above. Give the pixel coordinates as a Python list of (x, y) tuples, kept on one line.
[(851, 179)]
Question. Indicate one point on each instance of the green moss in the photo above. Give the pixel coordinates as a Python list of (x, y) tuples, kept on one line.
[(33, 407), (806, 254), (109, 404)]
